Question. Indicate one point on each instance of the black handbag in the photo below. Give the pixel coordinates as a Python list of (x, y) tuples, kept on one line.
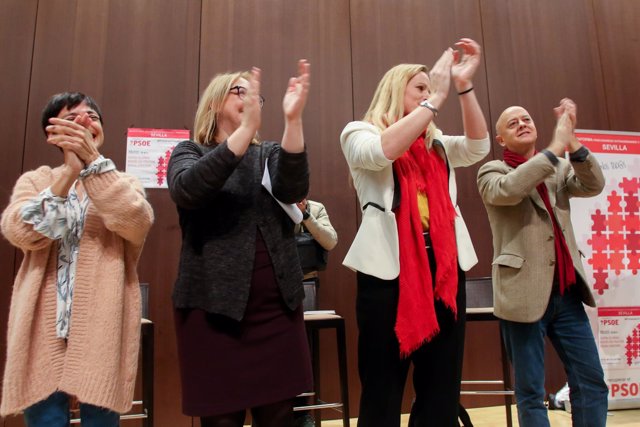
[(313, 257)]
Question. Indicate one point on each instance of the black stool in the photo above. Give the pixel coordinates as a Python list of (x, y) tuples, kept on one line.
[(314, 323), (480, 308)]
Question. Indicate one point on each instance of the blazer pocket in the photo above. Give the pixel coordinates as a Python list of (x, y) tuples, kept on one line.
[(509, 260), (375, 250)]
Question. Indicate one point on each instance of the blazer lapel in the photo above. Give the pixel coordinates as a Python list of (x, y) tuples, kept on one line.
[(535, 196)]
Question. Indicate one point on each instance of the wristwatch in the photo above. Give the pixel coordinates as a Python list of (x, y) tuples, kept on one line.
[(430, 106)]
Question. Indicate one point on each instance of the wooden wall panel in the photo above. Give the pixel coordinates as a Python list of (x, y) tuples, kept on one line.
[(146, 61), (139, 61), (386, 33), (17, 25), (617, 29), (273, 35), (540, 52), (536, 54)]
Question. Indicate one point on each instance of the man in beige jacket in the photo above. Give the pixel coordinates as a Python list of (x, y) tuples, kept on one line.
[(538, 278), (315, 220)]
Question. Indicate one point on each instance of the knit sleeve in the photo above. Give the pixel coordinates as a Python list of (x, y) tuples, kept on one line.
[(195, 177), (19, 233), (121, 203), (289, 173)]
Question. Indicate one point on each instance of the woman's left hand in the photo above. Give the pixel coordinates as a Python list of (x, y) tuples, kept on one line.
[(73, 136), (295, 98), (465, 63)]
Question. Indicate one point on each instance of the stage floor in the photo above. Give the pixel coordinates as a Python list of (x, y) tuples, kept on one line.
[(494, 416)]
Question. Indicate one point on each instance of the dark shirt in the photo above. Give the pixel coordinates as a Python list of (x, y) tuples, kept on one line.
[(221, 205)]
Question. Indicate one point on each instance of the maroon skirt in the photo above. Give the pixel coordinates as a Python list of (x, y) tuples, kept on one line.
[(227, 366)]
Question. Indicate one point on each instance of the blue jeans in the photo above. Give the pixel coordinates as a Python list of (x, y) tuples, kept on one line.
[(54, 412), (567, 326)]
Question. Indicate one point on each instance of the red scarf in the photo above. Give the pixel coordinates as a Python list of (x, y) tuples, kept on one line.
[(419, 170), (564, 271)]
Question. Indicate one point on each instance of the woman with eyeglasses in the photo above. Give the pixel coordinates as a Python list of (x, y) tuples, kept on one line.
[(238, 312), (413, 247), (74, 323)]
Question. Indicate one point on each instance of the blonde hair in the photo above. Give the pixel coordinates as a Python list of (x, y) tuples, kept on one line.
[(387, 105), (211, 102)]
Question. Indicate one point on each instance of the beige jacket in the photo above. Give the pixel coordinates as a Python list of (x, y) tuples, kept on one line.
[(98, 363), (319, 225), (523, 242), (375, 250)]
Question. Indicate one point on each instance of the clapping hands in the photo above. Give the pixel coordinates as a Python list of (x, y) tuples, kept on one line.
[(465, 63), (295, 97)]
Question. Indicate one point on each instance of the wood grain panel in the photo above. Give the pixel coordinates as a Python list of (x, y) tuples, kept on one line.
[(540, 52), (139, 60), (273, 35), (617, 29), (17, 26), (386, 33), (146, 61), (536, 54)]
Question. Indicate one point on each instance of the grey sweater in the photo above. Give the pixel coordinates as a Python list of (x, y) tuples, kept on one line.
[(221, 205)]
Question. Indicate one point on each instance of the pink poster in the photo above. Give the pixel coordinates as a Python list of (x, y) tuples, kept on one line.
[(608, 233)]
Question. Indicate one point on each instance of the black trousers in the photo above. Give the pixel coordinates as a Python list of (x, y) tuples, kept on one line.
[(437, 365)]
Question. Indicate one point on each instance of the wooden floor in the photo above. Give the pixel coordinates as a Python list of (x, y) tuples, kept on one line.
[(495, 417)]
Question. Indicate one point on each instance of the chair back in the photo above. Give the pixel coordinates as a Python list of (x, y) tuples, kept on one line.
[(479, 292), (310, 301), (144, 300)]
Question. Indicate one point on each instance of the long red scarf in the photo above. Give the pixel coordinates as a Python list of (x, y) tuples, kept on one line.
[(419, 170), (564, 271)]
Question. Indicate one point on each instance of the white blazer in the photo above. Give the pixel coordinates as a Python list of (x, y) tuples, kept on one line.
[(375, 250)]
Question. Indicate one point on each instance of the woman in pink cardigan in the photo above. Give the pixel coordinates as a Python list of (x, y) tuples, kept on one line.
[(74, 322)]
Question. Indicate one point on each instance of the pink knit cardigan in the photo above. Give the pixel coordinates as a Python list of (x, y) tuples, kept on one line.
[(99, 361)]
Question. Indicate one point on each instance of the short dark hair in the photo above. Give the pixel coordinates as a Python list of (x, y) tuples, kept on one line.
[(68, 100)]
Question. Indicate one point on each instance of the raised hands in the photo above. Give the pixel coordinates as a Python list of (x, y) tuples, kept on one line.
[(568, 107), (563, 135), (295, 98), (252, 110), (567, 115), (465, 63), (440, 77), (74, 137)]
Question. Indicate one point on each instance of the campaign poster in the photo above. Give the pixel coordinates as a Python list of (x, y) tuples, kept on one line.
[(148, 153), (607, 229)]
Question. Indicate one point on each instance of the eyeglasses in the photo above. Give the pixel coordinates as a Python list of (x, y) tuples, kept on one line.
[(93, 116), (241, 91)]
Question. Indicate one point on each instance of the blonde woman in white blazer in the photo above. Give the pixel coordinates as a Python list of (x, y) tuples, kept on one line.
[(412, 247)]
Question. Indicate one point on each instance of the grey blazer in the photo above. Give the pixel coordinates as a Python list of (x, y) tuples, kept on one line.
[(523, 242)]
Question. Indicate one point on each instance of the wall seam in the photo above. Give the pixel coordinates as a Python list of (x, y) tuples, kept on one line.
[(26, 119), (486, 73), (353, 105), (602, 73), (199, 54)]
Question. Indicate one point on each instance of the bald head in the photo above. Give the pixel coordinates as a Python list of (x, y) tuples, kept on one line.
[(509, 112), (515, 130)]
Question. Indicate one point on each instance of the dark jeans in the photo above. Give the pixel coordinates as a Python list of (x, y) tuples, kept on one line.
[(437, 365), (567, 326), (54, 412)]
